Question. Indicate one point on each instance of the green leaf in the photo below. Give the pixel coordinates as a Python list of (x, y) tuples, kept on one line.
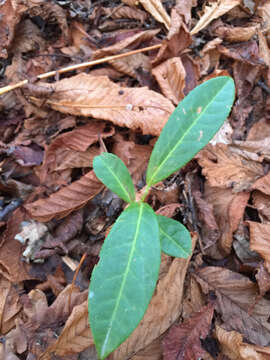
[(111, 170), (191, 126), (174, 237), (124, 280)]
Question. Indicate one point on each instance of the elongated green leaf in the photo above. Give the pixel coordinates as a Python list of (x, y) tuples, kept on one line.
[(191, 126), (124, 280), (111, 170), (174, 237)]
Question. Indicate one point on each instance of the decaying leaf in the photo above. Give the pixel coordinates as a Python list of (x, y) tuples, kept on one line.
[(228, 209), (76, 335), (126, 43), (9, 305), (66, 200), (171, 78), (237, 303), (214, 11), (156, 9), (135, 108), (225, 169), (183, 341), (233, 346), (259, 240)]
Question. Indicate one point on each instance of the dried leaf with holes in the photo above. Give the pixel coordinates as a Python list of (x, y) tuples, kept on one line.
[(225, 169), (135, 108)]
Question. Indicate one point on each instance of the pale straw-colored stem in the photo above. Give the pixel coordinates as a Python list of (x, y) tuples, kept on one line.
[(7, 88)]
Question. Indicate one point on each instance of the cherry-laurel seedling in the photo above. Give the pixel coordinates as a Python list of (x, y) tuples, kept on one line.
[(124, 280)]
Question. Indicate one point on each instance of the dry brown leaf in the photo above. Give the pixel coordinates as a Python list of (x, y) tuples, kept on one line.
[(255, 150), (11, 12), (263, 184), (69, 150), (134, 156), (128, 65), (259, 240), (66, 200), (132, 42), (15, 270), (131, 2), (232, 345), (183, 341), (126, 12), (214, 11), (209, 228), (76, 335), (184, 8), (263, 279), (235, 33), (150, 352), (193, 299), (261, 203), (9, 305), (228, 209), (163, 309), (135, 108), (263, 11), (170, 76), (178, 39), (237, 302), (224, 169), (156, 9)]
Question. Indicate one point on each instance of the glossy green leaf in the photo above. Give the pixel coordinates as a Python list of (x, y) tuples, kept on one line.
[(111, 170), (174, 237), (124, 280), (191, 126)]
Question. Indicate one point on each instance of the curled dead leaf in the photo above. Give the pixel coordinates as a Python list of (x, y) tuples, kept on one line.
[(66, 200), (170, 76), (233, 346)]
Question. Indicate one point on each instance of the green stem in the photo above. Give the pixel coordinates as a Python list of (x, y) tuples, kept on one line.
[(146, 191)]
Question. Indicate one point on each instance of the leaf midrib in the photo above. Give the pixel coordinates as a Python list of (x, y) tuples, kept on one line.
[(181, 139), (124, 277), (118, 181)]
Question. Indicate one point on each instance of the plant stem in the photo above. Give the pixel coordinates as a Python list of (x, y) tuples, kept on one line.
[(146, 191)]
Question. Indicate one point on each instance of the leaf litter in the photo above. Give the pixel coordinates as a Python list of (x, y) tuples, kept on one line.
[(54, 210)]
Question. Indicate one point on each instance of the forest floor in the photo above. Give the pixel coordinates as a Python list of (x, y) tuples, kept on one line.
[(55, 214)]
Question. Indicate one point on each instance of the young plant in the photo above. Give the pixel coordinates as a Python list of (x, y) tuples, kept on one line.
[(124, 280)]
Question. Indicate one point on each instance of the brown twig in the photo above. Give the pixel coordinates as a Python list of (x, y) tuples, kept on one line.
[(7, 88), (74, 279)]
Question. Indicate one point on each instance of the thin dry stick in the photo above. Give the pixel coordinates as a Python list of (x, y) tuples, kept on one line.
[(74, 279), (7, 88)]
